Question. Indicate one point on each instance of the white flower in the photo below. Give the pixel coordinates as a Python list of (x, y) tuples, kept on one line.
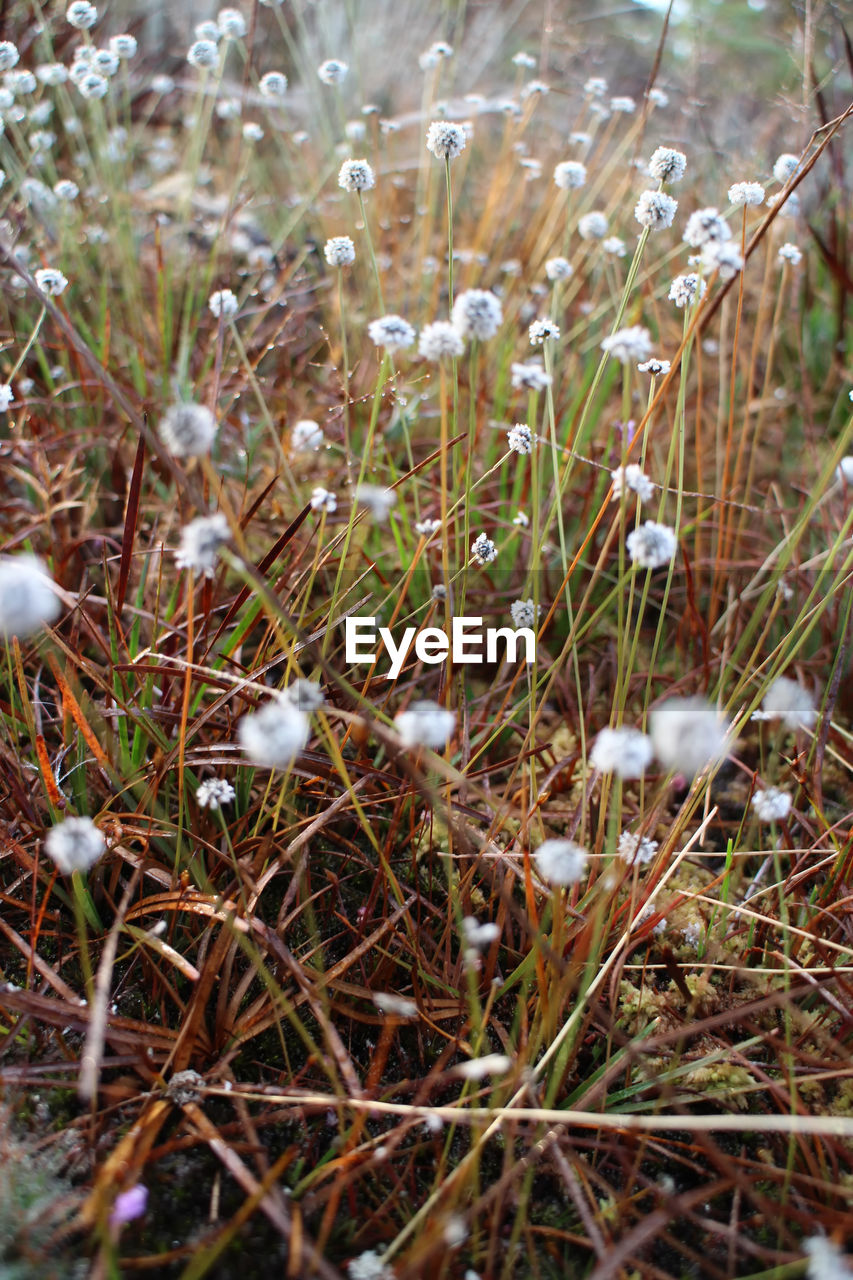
[(105, 62), (203, 54), (207, 31), (651, 545), (654, 366), (339, 251), (624, 751), (398, 1006), (74, 845), (380, 501), (323, 500), (8, 55), (425, 724), (273, 85), (534, 88), (844, 470), (559, 269), (214, 792), (624, 104), (274, 736), (491, 1064), (658, 98), (636, 849), (252, 131), (483, 550), (684, 289), (81, 14), (688, 734), (570, 174), (655, 210), (231, 24), (188, 430), (201, 540), (790, 253), (369, 1265), (480, 935), (629, 345), (93, 85), (542, 330), (477, 314), (530, 376), (520, 438), (356, 175), (306, 436), (634, 479), (7, 395), (560, 862), (522, 59), (426, 528), (614, 245), (65, 189), (771, 805), (746, 193), (446, 141), (522, 519), (440, 340), (332, 71), (51, 281), (162, 85), (592, 226), (223, 303), (52, 73), (123, 46), (27, 599), (723, 257), (788, 701), (391, 332), (785, 167), (228, 108), (524, 613), (790, 204), (667, 164), (595, 87), (826, 1261), (705, 225)]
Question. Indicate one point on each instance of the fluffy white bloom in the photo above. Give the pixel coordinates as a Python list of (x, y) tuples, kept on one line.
[(624, 751), (7, 395), (525, 613), (559, 269), (273, 85), (81, 14), (705, 225), (231, 24), (623, 104), (391, 332), (491, 1064), (483, 550), (651, 545), (688, 734), (560, 861), (595, 87), (655, 210), (520, 438), (105, 62), (634, 479), (771, 805), (629, 345), (530, 376), (658, 98), (480, 935), (203, 54), (826, 1261), (522, 59), (844, 470), (207, 31), (8, 55), (323, 500), (746, 193), (380, 501), (654, 366), (27, 599), (223, 303), (543, 329), (785, 167), (213, 793), (51, 281), (425, 724), (788, 701), (274, 736), (592, 226), (332, 71), (440, 340), (667, 164), (74, 845), (93, 85), (201, 540), (614, 245), (162, 85), (684, 289), (790, 204), (636, 849), (723, 257), (52, 73), (790, 253), (252, 131), (398, 1006), (446, 141), (356, 175), (123, 46), (65, 189), (477, 314), (570, 174), (339, 251), (188, 430), (369, 1265), (534, 88)]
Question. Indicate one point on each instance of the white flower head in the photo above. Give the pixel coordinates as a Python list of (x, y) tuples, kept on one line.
[(356, 175), (446, 141), (657, 97), (440, 340), (560, 862), (655, 210), (223, 303), (688, 734), (323, 500), (65, 189), (252, 131), (667, 164), (595, 87), (705, 225), (722, 256), (231, 24), (339, 251), (788, 701), (654, 366), (201, 541), (624, 751), (652, 545), (124, 46), (213, 793), (203, 54), (188, 430), (569, 175), (52, 73), (425, 724), (491, 1064), (27, 599), (479, 935), (686, 289), (524, 60), (559, 269), (93, 85), (483, 550), (623, 104), (632, 479), (273, 85), (790, 253), (843, 472), (477, 313), (51, 281), (81, 14), (746, 193), (785, 167), (391, 332), (826, 1261), (207, 30), (637, 849), (9, 55), (520, 438), (380, 502), (396, 1006), (543, 330), (369, 1265), (525, 613), (530, 376), (333, 71), (593, 226), (7, 395), (772, 805), (614, 245), (74, 845), (307, 436), (630, 345), (274, 736)]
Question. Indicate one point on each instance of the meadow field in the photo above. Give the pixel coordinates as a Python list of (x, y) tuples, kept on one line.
[(426, 705)]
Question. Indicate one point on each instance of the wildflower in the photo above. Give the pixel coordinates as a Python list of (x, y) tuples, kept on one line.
[(655, 210), (129, 1205), (524, 613), (652, 545), (790, 253), (746, 193), (624, 751), (369, 1265), (826, 1261), (543, 329), (213, 793), (705, 225), (356, 175), (207, 31), (386, 1002), (785, 167), (7, 395), (477, 314), (425, 724), (81, 14), (723, 257), (446, 141), (380, 501), (105, 62), (684, 289), (323, 500), (27, 599), (535, 88), (252, 132), (355, 130), (658, 98), (592, 226), (339, 251), (480, 935), (522, 519), (200, 543), (626, 105), (483, 550), (65, 189), (223, 303), (654, 366), (559, 269), (92, 85), (636, 849), (426, 528), (628, 345), (231, 24), (228, 108), (560, 862), (74, 845), (9, 55), (788, 701), (595, 87), (522, 59), (530, 376), (844, 470), (520, 438), (439, 341), (188, 430), (614, 245), (491, 1064), (688, 734), (771, 805), (332, 71), (274, 736), (52, 73), (123, 46), (667, 164), (632, 478), (162, 85), (391, 332), (203, 54), (570, 174), (51, 281)]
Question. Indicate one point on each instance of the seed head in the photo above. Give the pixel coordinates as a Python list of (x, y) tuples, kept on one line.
[(559, 269), (201, 540), (8, 55), (785, 167), (203, 54), (51, 281), (213, 793), (305, 695), (356, 175), (223, 303), (592, 226), (688, 734), (188, 430), (655, 210), (425, 724), (306, 436), (636, 849), (323, 500), (273, 85), (624, 751), (7, 395), (274, 736), (339, 251), (570, 174), (398, 1007), (483, 550), (651, 545), (788, 701), (625, 105), (595, 87), (391, 332), (542, 330), (440, 340), (530, 376), (231, 24), (333, 71), (746, 193), (525, 613), (446, 141), (634, 479), (520, 438), (629, 345), (27, 599), (705, 225), (74, 845), (684, 289), (123, 46), (81, 14), (477, 314), (490, 1064), (379, 501), (560, 862), (654, 366), (722, 256), (667, 164), (790, 253), (771, 805), (658, 98)]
